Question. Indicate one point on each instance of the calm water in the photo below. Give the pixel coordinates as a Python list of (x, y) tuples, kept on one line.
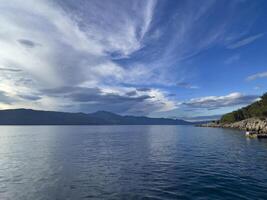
[(130, 162)]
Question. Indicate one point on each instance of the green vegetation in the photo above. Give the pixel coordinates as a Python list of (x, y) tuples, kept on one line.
[(257, 109)]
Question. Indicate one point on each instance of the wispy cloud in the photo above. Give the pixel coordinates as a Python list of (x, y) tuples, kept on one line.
[(30, 97), (119, 34), (76, 49), (128, 52), (203, 118), (10, 69), (245, 41), (216, 102), (186, 85), (232, 59), (73, 51), (257, 76), (27, 43), (4, 98)]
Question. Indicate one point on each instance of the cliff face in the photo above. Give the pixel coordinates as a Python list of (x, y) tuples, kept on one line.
[(251, 124)]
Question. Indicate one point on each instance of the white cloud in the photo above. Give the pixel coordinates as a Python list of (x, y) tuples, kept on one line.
[(68, 52), (257, 76), (94, 44), (118, 26), (216, 102), (52, 47)]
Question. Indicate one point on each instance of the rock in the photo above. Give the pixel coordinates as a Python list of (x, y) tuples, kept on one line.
[(251, 124)]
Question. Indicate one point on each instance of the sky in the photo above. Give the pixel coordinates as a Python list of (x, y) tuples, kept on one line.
[(186, 59)]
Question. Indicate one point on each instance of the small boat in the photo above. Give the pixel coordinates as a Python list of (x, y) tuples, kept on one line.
[(251, 134)]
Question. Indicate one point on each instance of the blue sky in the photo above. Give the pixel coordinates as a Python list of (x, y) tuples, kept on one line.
[(182, 59)]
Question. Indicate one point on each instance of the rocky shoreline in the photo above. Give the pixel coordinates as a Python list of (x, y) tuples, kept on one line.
[(258, 125)]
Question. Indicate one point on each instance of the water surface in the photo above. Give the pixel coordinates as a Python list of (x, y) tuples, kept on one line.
[(130, 162)]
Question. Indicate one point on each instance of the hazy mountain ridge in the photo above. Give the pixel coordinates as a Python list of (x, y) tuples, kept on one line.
[(38, 117)]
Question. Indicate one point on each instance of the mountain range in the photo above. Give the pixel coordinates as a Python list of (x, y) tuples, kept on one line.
[(38, 117)]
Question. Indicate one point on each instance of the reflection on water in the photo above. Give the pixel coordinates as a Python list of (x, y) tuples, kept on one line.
[(130, 162)]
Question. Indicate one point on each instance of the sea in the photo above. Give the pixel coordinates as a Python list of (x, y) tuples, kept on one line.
[(130, 162)]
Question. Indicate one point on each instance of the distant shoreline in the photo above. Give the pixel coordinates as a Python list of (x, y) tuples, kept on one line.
[(23, 117), (98, 125), (258, 125)]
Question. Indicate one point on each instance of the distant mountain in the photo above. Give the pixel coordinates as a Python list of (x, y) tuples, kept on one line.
[(37, 117), (256, 109)]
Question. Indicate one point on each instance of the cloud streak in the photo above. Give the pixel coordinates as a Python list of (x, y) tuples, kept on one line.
[(4, 98), (10, 70), (203, 118), (186, 85), (122, 56), (216, 102), (27, 43), (257, 76), (119, 100), (74, 51), (245, 41)]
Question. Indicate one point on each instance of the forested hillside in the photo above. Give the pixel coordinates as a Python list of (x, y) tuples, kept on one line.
[(256, 109)]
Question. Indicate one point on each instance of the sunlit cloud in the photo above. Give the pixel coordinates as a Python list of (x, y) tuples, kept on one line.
[(128, 53)]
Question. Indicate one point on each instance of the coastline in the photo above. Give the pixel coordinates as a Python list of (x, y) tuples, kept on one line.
[(258, 125)]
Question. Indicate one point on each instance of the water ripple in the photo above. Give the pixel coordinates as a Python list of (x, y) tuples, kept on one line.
[(130, 162)]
